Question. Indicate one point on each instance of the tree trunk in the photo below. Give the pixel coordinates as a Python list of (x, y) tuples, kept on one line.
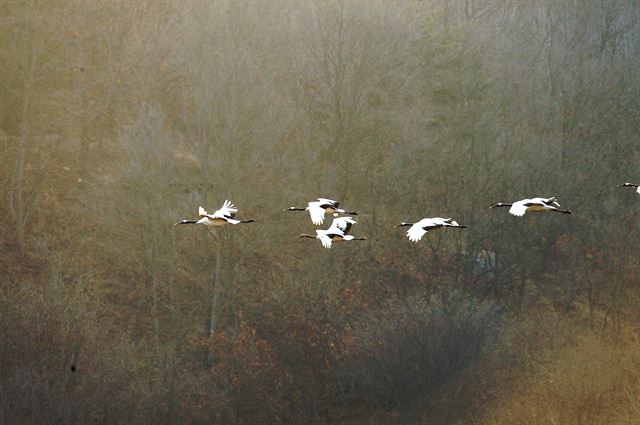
[(217, 290), (154, 306), (19, 203)]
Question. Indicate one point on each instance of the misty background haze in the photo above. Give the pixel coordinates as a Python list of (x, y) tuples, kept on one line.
[(119, 118)]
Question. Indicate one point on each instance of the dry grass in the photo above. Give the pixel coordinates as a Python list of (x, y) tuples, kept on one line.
[(587, 380), (542, 369)]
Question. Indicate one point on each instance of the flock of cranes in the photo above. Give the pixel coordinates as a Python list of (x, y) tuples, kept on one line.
[(341, 226)]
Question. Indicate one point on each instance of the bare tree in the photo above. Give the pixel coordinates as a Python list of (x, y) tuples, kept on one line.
[(26, 54)]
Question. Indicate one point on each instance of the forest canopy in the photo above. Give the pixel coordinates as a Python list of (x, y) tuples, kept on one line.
[(119, 118)]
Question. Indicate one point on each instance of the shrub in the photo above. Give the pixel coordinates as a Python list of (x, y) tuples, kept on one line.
[(413, 345)]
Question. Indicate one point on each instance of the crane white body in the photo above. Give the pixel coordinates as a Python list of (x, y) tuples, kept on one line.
[(519, 208), (419, 229), (220, 218), (321, 207), (337, 232)]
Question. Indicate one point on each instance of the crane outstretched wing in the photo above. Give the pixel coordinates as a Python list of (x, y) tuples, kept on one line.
[(518, 208), (329, 202), (415, 233), (316, 212), (324, 238), (228, 210), (341, 225)]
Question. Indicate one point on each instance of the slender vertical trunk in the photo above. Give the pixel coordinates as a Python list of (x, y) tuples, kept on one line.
[(217, 289), (592, 301), (154, 306), (174, 411), (338, 104), (497, 284), (84, 150), (523, 267), (79, 88), (571, 280), (20, 204), (230, 283), (549, 58), (522, 288), (224, 414)]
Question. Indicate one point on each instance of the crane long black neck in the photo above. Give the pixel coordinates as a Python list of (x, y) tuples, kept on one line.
[(188, 222)]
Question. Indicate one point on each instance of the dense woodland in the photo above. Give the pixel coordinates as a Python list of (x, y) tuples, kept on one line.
[(118, 118)]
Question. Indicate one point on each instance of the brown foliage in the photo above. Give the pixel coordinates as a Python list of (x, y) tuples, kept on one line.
[(120, 118)]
